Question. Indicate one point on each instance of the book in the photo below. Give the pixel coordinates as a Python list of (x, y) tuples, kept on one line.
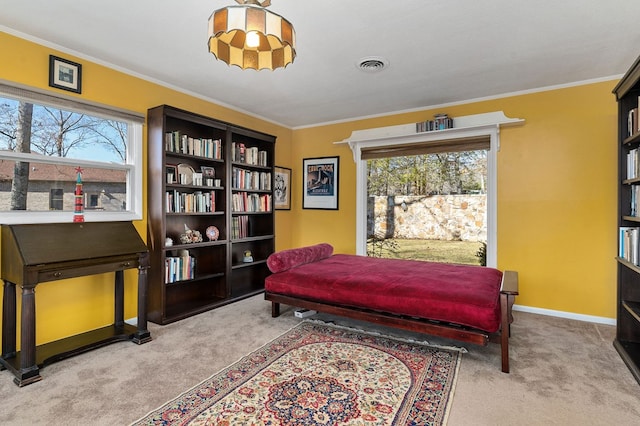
[(632, 122), (628, 244)]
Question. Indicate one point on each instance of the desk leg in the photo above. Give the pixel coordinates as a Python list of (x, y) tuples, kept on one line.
[(9, 320), (142, 335), (119, 299), (29, 371)]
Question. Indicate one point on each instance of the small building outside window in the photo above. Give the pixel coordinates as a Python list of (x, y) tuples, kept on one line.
[(56, 199)]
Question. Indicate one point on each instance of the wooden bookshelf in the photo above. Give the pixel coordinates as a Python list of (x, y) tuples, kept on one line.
[(193, 183), (627, 341)]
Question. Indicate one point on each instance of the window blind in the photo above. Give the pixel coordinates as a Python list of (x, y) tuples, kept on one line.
[(428, 147), (60, 101)]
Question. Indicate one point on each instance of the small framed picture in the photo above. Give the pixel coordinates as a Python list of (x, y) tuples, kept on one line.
[(282, 188), (171, 172), (208, 172), (65, 74), (320, 183)]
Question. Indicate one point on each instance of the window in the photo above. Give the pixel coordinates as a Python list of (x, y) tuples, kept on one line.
[(428, 207), (56, 200), (51, 145), (472, 132), (93, 201)]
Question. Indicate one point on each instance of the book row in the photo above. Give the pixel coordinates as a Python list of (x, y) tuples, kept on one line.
[(635, 199), (248, 155), (245, 202), (250, 179), (184, 144), (439, 122), (633, 164), (184, 202), (628, 244), (179, 269), (240, 227), (633, 121)]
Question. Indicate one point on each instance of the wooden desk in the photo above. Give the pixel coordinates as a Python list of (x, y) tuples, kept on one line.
[(32, 254)]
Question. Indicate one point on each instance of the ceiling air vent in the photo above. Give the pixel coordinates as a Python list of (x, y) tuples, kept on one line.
[(372, 64)]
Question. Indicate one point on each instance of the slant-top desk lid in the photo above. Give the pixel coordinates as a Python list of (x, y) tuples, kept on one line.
[(35, 246)]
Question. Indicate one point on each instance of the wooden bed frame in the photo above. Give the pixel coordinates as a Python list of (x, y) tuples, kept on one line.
[(508, 291)]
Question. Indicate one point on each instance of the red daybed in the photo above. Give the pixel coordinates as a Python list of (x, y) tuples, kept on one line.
[(462, 302)]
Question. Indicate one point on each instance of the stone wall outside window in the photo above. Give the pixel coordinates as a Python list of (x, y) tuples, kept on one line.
[(429, 217)]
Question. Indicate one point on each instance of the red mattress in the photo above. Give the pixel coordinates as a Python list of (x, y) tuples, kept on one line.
[(461, 294)]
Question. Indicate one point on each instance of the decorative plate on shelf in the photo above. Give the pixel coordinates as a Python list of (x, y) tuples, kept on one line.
[(186, 171), (212, 233)]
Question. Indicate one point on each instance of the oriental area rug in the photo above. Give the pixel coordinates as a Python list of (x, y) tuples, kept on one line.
[(320, 374)]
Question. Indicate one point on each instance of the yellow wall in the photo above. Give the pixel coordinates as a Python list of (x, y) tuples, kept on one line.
[(556, 193), (69, 307), (556, 188)]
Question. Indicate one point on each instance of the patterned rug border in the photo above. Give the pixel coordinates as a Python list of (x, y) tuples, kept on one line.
[(203, 381), (310, 321)]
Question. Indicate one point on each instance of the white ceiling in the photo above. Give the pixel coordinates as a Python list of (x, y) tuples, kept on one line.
[(439, 52)]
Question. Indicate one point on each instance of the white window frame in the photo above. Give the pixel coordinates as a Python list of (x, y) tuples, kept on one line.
[(466, 127), (132, 166)]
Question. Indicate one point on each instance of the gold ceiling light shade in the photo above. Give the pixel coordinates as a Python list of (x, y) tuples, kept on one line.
[(250, 36)]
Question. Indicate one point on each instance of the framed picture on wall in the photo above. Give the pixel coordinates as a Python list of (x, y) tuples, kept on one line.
[(320, 183), (282, 188), (65, 74)]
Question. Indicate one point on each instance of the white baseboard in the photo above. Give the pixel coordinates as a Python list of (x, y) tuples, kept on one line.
[(568, 315)]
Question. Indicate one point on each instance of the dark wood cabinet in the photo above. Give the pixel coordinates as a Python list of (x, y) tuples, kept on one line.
[(627, 340), (40, 253), (215, 178)]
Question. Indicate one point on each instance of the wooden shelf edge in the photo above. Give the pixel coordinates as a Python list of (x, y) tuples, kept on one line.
[(183, 312), (252, 239), (196, 279), (632, 139), (251, 166), (204, 187), (633, 308), (249, 264), (267, 212), (216, 213), (259, 191), (628, 264), (195, 245), (630, 354)]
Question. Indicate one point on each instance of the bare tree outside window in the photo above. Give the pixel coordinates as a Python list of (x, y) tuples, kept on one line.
[(20, 184), (34, 181)]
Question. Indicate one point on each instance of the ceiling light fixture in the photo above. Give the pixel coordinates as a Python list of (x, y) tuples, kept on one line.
[(250, 36)]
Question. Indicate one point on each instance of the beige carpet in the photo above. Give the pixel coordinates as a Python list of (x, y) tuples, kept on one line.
[(323, 374), (562, 373)]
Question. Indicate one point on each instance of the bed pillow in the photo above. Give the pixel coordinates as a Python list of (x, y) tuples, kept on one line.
[(287, 259)]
